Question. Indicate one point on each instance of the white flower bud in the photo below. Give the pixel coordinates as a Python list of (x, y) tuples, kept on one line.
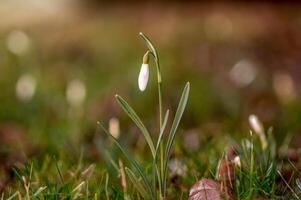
[(237, 161), (114, 127), (143, 77), (257, 126)]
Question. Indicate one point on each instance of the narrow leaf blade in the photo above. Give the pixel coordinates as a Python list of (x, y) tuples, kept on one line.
[(173, 130), (162, 130), (149, 45), (132, 114), (137, 184), (129, 157)]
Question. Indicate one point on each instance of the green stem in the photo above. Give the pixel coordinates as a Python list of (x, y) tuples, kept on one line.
[(251, 167), (159, 81)]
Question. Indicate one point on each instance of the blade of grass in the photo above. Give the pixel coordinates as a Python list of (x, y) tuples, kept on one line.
[(132, 114), (173, 130), (288, 186), (41, 189), (129, 157), (112, 161), (123, 180), (13, 196), (58, 169), (137, 184), (251, 187), (298, 183), (106, 187), (78, 187)]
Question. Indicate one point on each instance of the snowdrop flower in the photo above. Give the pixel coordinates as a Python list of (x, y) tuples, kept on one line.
[(25, 87), (144, 72), (114, 127), (257, 126), (237, 161), (76, 92)]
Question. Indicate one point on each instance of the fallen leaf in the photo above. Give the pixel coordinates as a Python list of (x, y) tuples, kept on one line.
[(205, 189), (225, 172)]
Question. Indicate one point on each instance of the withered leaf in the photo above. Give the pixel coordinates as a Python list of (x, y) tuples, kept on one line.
[(205, 189)]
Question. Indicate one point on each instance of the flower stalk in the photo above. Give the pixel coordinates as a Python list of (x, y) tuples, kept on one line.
[(160, 97), (257, 126)]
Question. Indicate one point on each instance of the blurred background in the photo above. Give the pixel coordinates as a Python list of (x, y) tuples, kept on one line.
[(62, 62)]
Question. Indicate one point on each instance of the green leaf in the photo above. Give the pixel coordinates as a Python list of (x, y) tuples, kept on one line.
[(137, 184), (271, 143), (162, 130), (131, 113), (149, 45), (113, 163), (155, 167), (13, 196), (173, 130), (129, 157), (153, 50), (41, 189)]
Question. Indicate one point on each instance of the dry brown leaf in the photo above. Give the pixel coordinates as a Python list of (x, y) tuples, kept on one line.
[(205, 189), (225, 172)]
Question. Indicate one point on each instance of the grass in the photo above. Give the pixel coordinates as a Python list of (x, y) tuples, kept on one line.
[(258, 176)]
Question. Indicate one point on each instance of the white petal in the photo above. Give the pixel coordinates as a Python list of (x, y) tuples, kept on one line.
[(114, 127), (143, 77), (259, 129), (256, 124), (237, 161)]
